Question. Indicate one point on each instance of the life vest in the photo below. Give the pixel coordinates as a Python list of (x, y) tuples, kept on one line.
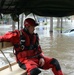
[(29, 47)]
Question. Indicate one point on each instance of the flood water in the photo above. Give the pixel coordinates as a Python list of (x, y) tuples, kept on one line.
[(62, 48), (58, 45)]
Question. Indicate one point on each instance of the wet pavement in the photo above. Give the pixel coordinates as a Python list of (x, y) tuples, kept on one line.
[(57, 45)]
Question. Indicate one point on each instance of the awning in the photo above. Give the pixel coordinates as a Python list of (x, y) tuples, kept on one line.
[(53, 8)]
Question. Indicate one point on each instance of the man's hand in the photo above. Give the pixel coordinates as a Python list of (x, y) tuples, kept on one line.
[(41, 62)]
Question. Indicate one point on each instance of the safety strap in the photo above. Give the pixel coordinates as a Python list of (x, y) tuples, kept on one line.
[(35, 56), (24, 48)]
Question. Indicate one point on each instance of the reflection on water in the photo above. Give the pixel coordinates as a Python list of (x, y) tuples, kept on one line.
[(58, 46), (62, 48)]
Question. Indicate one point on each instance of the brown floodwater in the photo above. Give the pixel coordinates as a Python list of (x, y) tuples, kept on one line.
[(60, 47)]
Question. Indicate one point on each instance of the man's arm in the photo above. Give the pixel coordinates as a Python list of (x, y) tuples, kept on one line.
[(8, 37), (41, 56)]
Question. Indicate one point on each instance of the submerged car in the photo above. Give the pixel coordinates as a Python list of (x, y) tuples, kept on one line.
[(69, 32)]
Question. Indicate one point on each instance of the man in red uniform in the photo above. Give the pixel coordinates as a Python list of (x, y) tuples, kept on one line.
[(28, 52)]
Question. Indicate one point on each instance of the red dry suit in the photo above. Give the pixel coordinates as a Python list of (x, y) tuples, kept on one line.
[(28, 52)]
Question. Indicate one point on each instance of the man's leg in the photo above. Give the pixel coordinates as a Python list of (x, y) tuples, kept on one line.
[(56, 67), (54, 64), (32, 68), (35, 71)]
